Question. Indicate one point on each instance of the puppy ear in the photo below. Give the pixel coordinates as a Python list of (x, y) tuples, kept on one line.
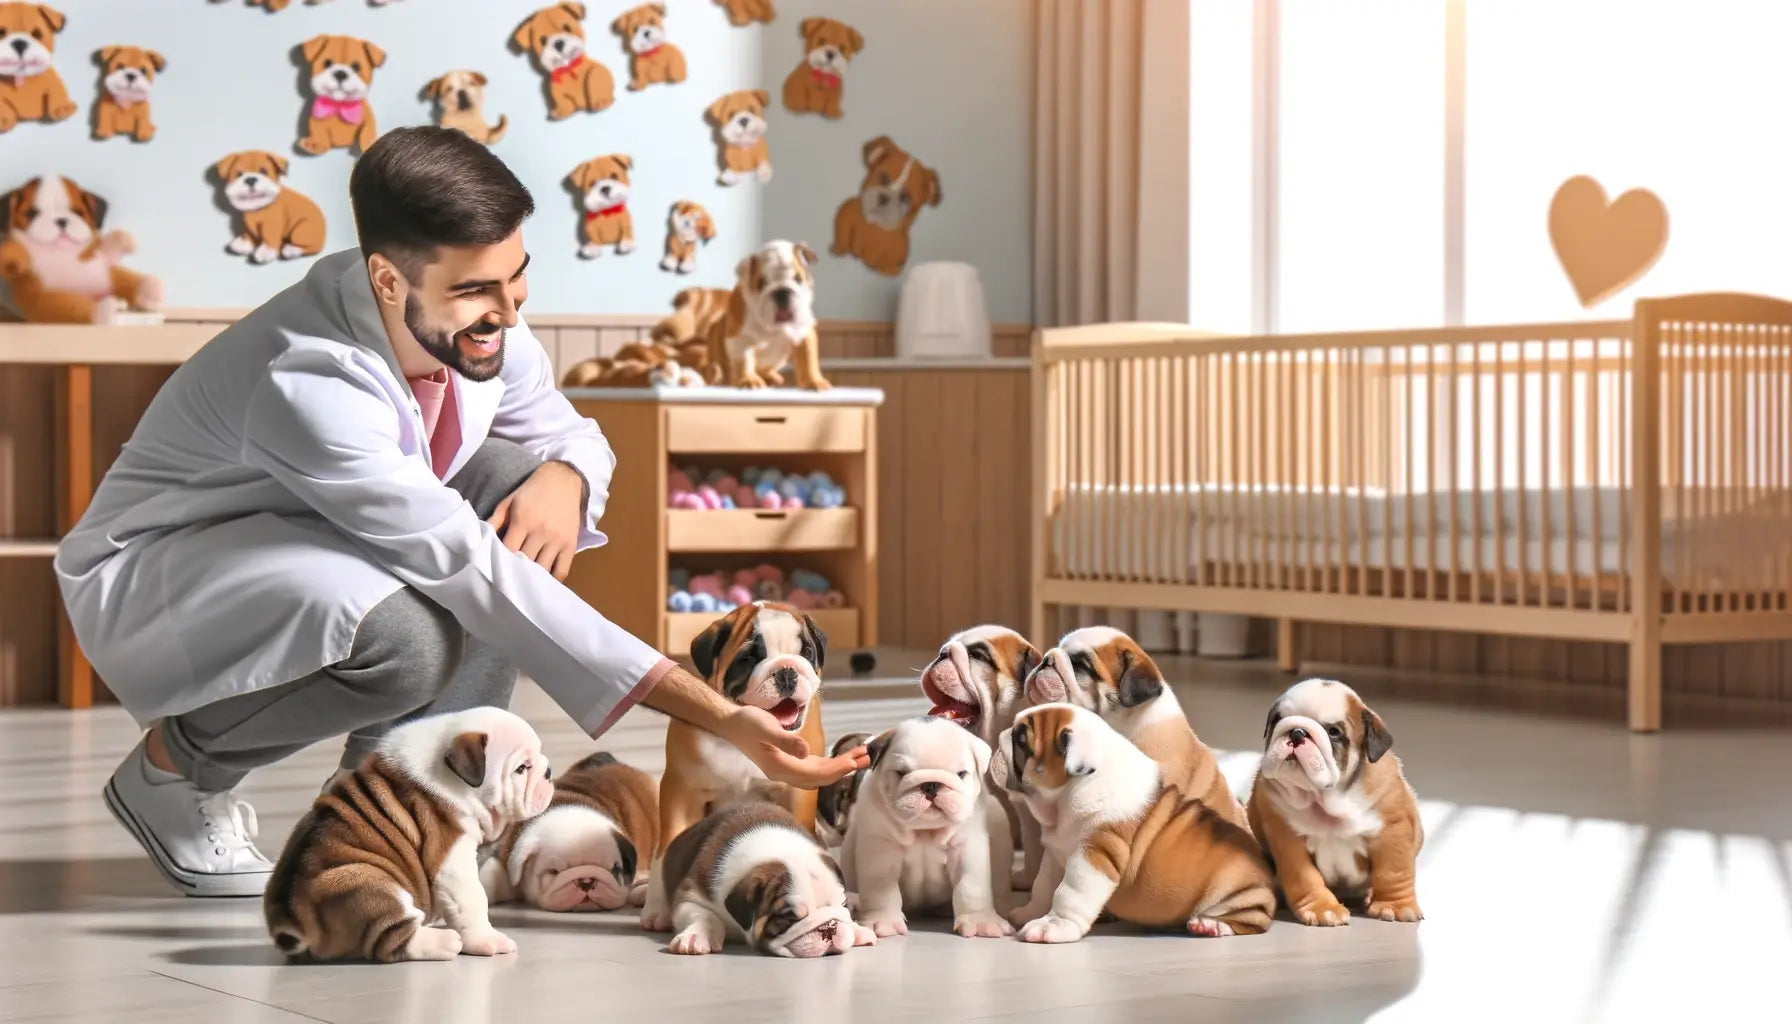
[(479, 78), (375, 55), (156, 60), (52, 17), (627, 860), (1020, 744), (744, 267), (310, 48), (627, 162), (714, 112), (95, 207), (763, 98), (808, 26), (706, 647), (103, 56), (880, 746), (1029, 662), (749, 893), (572, 7), (466, 757), (1376, 738), (805, 254), (706, 228), (436, 86), (521, 854), (1269, 724), (223, 167), (934, 192), (280, 163), (820, 640), (580, 178), (858, 41), (524, 36), (877, 149), (834, 866), (1139, 682)]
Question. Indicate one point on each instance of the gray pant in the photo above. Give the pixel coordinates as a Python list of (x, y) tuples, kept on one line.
[(410, 658)]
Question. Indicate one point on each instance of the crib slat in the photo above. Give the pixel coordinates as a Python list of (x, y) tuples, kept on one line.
[(1475, 486), (1260, 503), (1595, 478), (1455, 535), (1410, 529), (1708, 481), (1499, 469), (1571, 574)]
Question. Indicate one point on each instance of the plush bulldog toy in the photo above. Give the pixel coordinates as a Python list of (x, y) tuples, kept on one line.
[(58, 266)]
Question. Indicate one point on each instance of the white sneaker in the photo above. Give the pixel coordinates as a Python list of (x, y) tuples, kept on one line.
[(202, 842)]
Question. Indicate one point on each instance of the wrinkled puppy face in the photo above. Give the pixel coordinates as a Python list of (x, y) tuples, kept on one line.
[(458, 90), (793, 910), (500, 757), (740, 116), (55, 212), (643, 29), (130, 72), (929, 773), (1098, 668), (603, 182), (555, 35), (692, 222), (977, 679), (342, 66), (1046, 751), (780, 286), (27, 38), (831, 45), (764, 655), (1319, 735), (251, 179), (896, 186), (573, 858)]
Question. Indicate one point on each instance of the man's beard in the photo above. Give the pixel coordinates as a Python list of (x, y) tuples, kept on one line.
[(439, 342)]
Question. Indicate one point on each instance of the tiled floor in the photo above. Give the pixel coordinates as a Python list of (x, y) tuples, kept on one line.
[(1573, 872)]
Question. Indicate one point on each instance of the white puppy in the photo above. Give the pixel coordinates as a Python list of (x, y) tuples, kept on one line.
[(925, 835)]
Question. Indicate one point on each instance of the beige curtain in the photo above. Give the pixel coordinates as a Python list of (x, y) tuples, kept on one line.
[(1086, 133)]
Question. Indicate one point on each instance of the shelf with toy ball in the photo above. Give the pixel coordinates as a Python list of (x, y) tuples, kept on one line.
[(695, 599), (761, 510)]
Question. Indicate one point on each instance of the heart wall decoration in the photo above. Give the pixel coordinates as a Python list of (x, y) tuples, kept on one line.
[(1605, 246)]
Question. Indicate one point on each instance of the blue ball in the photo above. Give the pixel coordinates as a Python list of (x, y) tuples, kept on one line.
[(704, 603), (727, 501), (680, 601), (771, 475), (820, 479)]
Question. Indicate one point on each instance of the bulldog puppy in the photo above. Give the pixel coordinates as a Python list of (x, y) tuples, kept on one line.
[(385, 865), (582, 852), (742, 13), (769, 321), (460, 103), (1117, 837), (695, 312), (1333, 809), (766, 655), (341, 75), (978, 681), (739, 120), (30, 88), (1106, 671), (873, 225), (643, 32), (687, 228), (751, 870), (129, 72), (555, 37), (603, 187), (834, 801), (277, 222), (926, 837), (817, 84), (59, 264)]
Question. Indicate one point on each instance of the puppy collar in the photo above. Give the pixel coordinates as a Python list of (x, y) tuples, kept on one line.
[(562, 74), (608, 211)]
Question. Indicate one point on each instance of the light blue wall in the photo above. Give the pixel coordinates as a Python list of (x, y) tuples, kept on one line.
[(947, 79)]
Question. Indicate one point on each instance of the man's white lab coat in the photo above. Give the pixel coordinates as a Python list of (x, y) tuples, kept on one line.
[(279, 487)]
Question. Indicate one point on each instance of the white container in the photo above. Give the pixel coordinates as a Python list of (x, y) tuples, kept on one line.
[(942, 313), (1223, 636)]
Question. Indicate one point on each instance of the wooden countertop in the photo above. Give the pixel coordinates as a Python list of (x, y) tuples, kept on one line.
[(731, 396)]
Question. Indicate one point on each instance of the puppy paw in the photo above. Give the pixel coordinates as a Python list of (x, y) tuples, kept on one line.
[(59, 111), (984, 924), (668, 264), (1021, 915), (291, 252), (1324, 912), (115, 245), (656, 920), (315, 147), (1208, 928), (751, 382), (884, 925), (863, 936), (819, 384), (263, 254), (240, 246), (1050, 928), (637, 896), (692, 942), (433, 944), (486, 942), (105, 310), (625, 247), (145, 134), (590, 251), (1395, 910), (149, 294)]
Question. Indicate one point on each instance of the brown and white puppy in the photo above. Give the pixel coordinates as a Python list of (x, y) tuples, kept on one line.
[(385, 865), (582, 852), (653, 60), (276, 221), (460, 103), (695, 312), (927, 836), (818, 83), (555, 37), (873, 225), (58, 265), (739, 120), (978, 680), (834, 801), (1117, 837), (602, 186), (1333, 808), (770, 320), (751, 870), (742, 13), (30, 88), (687, 228), (766, 655), (1106, 671), (129, 73), (341, 76)]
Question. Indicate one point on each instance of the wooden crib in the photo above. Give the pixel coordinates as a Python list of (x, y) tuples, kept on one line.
[(1626, 481)]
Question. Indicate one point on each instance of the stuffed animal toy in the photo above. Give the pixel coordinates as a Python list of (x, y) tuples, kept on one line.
[(653, 60), (636, 365), (555, 37), (460, 103), (874, 224), (687, 229), (58, 266), (30, 89), (341, 76), (739, 120), (602, 186), (819, 81), (742, 13), (277, 222), (128, 74)]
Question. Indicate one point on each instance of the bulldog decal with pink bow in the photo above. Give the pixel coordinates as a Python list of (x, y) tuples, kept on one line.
[(341, 70)]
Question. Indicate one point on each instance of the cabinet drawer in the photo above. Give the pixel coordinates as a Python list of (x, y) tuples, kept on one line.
[(840, 624), (758, 529), (768, 428)]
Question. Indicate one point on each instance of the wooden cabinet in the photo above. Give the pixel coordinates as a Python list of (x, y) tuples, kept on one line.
[(796, 431)]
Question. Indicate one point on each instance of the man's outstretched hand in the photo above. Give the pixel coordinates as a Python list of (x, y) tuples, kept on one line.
[(784, 756)]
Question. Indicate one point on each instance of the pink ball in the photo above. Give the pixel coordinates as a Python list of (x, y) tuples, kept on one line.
[(745, 578), (677, 481), (686, 499), (740, 595), (793, 503), (802, 599), (744, 497), (770, 499), (768, 571), (710, 498), (709, 583)]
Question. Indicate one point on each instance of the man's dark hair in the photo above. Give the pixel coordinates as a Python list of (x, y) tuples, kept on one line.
[(422, 187)]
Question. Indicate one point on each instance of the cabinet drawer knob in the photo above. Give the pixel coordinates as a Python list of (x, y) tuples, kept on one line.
[(771, 515), (774, 420)]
